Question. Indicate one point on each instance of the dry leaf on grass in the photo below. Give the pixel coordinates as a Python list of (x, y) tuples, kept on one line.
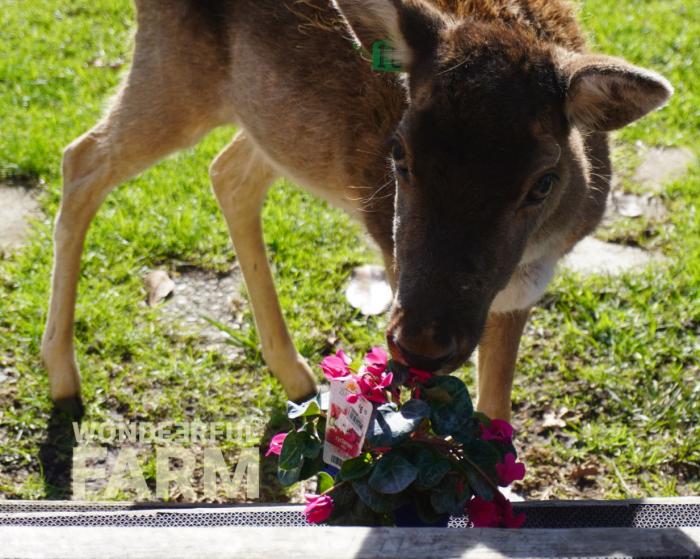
[(585, 471), (368, 290), (159, 286), (554, 419)]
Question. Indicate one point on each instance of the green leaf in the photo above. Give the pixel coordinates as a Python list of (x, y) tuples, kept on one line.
[(378, 502), (470, 431), (450, 404), (362, 515), (344, 498), (357, 467), (313, 446), (479, 485), (350, 510), (289, 477), (293, 450), (392, 474), (426, 511), (431, 467), (446, 498), (308, 408), (390, 427), (310, 467), (325, 482), (485, 454)]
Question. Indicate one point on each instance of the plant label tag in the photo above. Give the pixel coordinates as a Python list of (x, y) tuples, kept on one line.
[(347, 423)]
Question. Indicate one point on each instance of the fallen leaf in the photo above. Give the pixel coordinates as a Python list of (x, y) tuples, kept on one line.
[(554, 419), (648, 206), (629, 205), (159, 286), (581, 472), (368, 290)]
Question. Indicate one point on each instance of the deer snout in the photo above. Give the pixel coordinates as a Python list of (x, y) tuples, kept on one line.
[(421, 351)]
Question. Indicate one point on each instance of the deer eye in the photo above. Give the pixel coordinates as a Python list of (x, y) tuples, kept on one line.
[(398, 154), (543, 188)]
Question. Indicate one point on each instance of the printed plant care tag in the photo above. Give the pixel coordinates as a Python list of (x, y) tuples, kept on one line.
[(347, 423)]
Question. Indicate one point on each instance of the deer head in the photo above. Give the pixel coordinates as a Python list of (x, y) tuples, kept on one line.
[(490, 160)]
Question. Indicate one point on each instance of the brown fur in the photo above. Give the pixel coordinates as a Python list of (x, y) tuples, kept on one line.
[(487, 109)]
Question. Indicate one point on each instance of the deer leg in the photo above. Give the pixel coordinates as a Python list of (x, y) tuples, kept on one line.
[(133, 136), (240, 178), (498, 350)]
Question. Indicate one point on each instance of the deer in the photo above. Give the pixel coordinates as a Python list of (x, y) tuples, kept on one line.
[(475, 166)]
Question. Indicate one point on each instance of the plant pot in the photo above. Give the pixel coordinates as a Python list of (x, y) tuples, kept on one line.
[(406, 516)]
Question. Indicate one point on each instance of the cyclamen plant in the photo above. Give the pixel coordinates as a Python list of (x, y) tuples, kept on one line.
[(426, 452)]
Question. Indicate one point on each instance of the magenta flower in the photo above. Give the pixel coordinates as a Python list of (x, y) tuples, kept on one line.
[(318, 508), (276, 443), (510, 470), (372, 387), (376, 361), (499, 430), (336, 367), (493, 514), (483, 513)]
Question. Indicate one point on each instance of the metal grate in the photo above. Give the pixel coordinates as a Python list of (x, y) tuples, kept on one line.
[(545, 514), (613, 516)]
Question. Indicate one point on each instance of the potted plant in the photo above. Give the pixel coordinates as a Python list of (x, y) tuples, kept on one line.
[(395, 446)]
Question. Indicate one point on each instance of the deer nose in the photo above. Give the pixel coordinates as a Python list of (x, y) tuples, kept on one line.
[(418, 359)]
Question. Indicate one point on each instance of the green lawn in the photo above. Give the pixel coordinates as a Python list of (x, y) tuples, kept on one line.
[(621, 354)]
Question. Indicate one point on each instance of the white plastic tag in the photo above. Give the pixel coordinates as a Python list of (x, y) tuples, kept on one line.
[(347, 423)]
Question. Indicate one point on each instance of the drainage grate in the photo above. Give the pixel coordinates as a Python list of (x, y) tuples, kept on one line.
[(613, 516), (543, 514)]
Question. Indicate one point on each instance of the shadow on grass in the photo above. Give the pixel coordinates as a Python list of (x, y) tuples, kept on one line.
[(56, 450)]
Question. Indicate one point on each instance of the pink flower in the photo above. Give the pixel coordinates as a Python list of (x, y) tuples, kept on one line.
[(483, 513), (336, 367), (376, 361), (318, 509), (493, 514), (499, 430), (276, 443), (510, 470), (372, 387)]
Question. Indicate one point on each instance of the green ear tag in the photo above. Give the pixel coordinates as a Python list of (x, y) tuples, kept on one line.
[(383, 58)]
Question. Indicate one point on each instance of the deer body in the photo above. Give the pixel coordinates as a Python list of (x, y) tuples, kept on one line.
[(384, 147)]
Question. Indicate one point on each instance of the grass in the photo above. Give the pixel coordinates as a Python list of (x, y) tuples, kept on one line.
[(620, 354)]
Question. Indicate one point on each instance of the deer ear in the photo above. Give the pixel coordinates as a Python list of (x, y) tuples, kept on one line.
[(411, 27), (606, 93)]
